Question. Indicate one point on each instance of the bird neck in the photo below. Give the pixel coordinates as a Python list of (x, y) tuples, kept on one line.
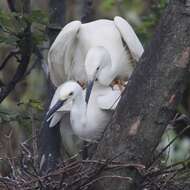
[(78, 112), (79, 102), (107, 74)]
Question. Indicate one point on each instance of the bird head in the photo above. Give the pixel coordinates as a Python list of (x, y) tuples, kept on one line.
[(66, 92), (96, 63)]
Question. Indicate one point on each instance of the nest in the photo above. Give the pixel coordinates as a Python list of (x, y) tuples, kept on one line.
[(75, 173)]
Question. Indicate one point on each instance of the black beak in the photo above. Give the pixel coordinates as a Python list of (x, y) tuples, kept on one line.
[(88, 90), (54, 109)]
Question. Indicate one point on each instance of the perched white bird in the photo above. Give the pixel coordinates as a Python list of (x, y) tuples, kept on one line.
[(77, 42), (87, 121)]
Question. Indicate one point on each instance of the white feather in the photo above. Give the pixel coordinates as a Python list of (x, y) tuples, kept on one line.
[(57, 116), (61, 53), (110, 100), (68, 53), (87, 121), (129, 37)]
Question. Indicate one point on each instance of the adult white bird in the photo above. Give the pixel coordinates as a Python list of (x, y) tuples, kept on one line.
[(88, 121), (99, 69), (77, 41)]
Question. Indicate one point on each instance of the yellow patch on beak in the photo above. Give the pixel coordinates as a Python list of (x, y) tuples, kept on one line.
[(64, 97)]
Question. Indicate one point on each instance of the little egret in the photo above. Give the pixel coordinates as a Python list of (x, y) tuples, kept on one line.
[(88, 122), (77, 41), (99, 69)]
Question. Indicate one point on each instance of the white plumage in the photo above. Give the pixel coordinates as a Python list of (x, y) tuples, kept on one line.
[(76, 42), (87, 121), (97, 52)]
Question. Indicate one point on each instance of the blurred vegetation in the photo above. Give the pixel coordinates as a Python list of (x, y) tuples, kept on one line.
[(25, 105)]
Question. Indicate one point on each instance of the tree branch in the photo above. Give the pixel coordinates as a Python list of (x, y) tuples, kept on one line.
[(50, 138), (25, 48), (8, 57), (11, 4), (87, 11), (25, 51)]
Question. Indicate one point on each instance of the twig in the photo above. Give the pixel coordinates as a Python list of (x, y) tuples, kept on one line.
[(34, 142), (114, 164), (25, 47), (103, 177), (38, 61), (169, 179), (166, 147), (9, 56), (10, 150)]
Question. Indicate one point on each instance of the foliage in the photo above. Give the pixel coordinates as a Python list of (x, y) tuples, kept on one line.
[(28, 110), (12, 26), (151, 20), (107, 4), (12, 32), (143, 19)]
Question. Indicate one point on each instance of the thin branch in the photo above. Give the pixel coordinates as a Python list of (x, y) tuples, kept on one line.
[(25, 47), (168, 145), (38, 61), (11, 54), (103, 177), (87, 11), (11, 4), (22, 67)]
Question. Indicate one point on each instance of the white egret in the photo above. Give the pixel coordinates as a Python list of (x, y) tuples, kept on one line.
[(88, 122), (77, 42), (99, 69)]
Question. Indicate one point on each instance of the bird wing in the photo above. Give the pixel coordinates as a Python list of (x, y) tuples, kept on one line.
[(55, 119), (61, 52), (109, 100), (129, 37)]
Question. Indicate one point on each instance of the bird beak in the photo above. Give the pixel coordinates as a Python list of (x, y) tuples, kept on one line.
[(88, 90), (54, 109)]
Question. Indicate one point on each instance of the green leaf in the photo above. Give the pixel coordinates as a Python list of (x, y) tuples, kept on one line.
[(8, 39), (12, 22), (38, 37), (38, 16), (107, 4), (36, 104), (32, 103)]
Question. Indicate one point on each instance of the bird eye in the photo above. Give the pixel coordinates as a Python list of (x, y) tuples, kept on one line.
[(98, 68), (71, 93)]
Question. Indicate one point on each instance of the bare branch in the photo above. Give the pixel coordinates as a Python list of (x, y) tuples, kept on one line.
[(87, 11), (25, 48), (11, 54), (11, 4)]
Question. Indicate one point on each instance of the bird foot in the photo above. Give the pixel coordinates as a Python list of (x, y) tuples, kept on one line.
[(119, 84)]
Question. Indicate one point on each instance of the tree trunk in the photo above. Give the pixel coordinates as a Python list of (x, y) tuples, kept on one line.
[(149, 101), (50, 138)]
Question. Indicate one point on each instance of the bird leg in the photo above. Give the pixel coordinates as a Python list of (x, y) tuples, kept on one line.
[(82, 84)]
